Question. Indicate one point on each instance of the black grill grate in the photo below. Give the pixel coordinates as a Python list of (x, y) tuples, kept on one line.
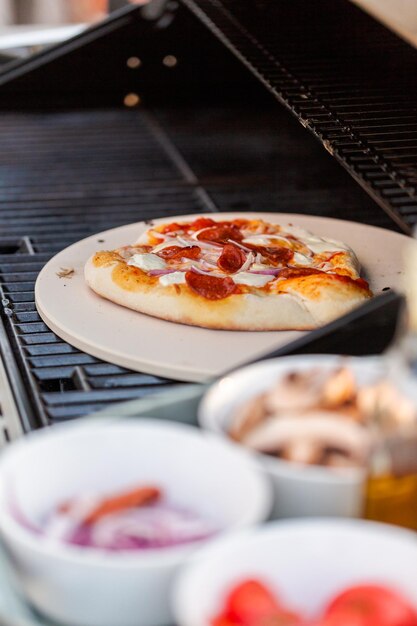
[(345, 77), (71, 174), (63, 177)]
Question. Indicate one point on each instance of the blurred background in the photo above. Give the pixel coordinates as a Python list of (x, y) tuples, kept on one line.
[(55, 11), (26, 26), (18, 17)]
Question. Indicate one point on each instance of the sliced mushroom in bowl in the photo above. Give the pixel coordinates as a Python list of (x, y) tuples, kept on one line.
[(312, 419)]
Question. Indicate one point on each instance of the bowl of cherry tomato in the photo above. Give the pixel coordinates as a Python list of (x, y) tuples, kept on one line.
[(319, 572)]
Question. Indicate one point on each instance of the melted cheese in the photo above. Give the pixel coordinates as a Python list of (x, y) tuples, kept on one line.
[(252, 280), (302, 259), (175, 278), (263, 240), (147, 262), (316, 244)]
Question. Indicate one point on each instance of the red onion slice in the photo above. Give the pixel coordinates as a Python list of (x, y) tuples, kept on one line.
[(239, 245), (160, 272), (198, 270), (207, 265), (204, 245), (271, 272), (186, 243), (249, 260)]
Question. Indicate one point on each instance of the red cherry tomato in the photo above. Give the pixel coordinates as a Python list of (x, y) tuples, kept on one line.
[(249, 602), (253, 604), (369, 605), (222, 621)]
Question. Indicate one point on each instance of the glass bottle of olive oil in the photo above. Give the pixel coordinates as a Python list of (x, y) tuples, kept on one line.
[(391, 488)]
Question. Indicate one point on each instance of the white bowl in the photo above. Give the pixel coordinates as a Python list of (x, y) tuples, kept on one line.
[(307, 562), (299, 490), (89, 587)]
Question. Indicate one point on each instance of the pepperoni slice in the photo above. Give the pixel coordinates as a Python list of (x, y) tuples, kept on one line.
[(210, 287), (169, 228), (178, 252), (201, 222), (231, 259), (221, 233), (295, 272), (278, 256), (191, 252), (170, 252), (240, 223)]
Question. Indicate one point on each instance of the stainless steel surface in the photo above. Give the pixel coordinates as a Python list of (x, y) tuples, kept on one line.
[(10, 422), (31, 37)]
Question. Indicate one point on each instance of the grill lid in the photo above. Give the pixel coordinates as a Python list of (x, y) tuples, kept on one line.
[(347, 79)]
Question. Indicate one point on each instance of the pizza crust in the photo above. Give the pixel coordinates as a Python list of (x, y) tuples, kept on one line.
[(285, 309)]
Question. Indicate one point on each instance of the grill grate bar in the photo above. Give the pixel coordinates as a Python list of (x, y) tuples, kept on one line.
[(70, 412), (58, 348), (303, 61)]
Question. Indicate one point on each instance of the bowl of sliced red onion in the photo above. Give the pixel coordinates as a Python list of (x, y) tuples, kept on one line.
[(98, 517)]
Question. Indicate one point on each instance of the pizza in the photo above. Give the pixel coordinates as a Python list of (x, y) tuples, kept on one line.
[(235, 274)]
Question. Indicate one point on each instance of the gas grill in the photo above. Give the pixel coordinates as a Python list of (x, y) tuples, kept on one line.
[(172, 109)]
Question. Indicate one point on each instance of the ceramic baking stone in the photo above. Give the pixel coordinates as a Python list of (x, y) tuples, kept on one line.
[(146, 344)]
